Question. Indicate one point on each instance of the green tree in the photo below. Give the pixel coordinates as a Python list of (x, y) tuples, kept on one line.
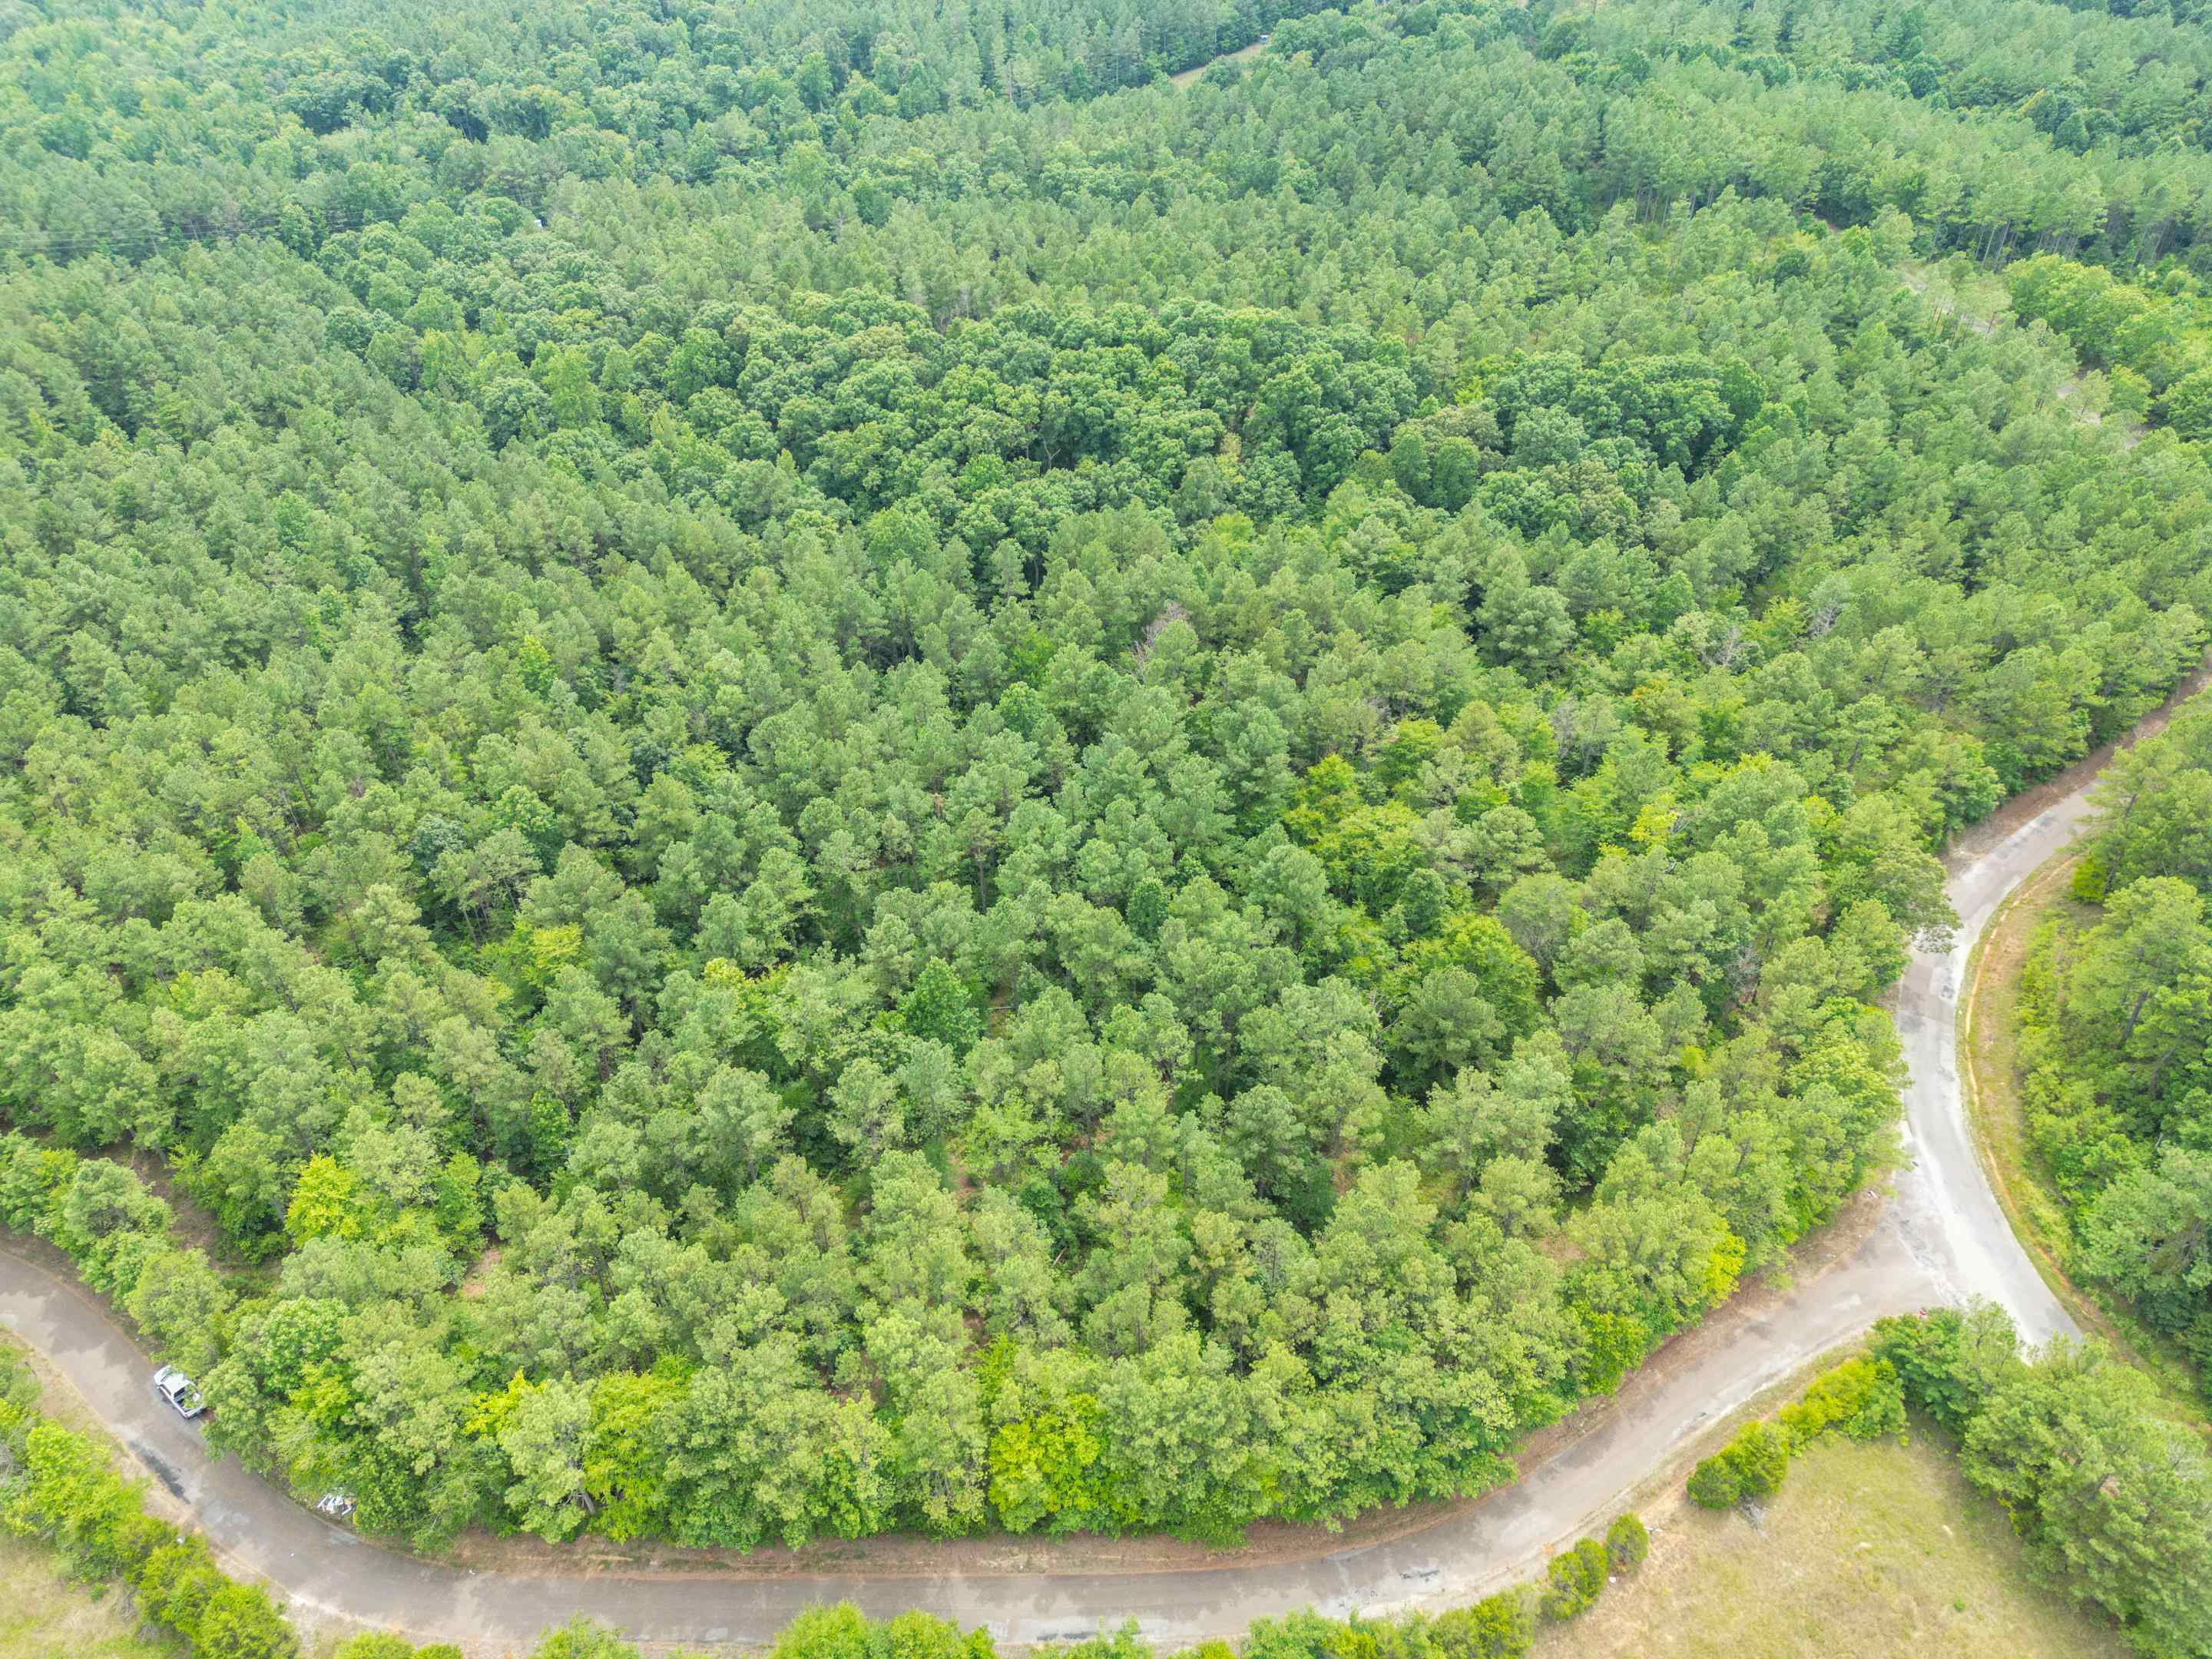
[(940, 1009), (1626, 1543), (2115, 1503), (1575, 1580)]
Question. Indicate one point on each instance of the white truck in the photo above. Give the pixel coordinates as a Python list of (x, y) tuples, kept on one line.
[(180, 1390)]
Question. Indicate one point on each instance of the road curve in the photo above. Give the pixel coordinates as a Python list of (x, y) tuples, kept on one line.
[(1944, 1212), (1942, 1238)]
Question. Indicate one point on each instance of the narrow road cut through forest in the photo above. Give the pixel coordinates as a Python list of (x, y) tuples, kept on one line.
[(1941, 1238)]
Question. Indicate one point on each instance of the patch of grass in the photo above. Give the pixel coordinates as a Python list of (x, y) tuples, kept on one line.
[(1991, 1045), (43, 1614), (1872, 1550)]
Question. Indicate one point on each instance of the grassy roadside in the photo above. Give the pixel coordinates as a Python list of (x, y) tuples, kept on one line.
[(1887, 1542), (43, 1614), (1989, 1042)]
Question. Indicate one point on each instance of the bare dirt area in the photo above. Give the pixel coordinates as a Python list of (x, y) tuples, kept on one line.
[(191, 1226), (1242, 55)]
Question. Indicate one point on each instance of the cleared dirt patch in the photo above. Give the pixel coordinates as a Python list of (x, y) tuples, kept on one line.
[(1242, 55)]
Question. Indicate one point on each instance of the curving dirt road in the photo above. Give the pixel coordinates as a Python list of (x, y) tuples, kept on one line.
[(1942, 1238)]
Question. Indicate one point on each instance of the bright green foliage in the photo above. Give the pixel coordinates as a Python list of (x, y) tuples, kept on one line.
[(1752, 1465), (1627, 1542), (624, 1461), (375, 1644), (965, 793), (1045, 1453), (66, 1492), (1496, 1627), (2113, 1500), (1716, 1483), (379, 1645), (842, 1632), (582, 1638), (1861, 1396), (1575, 1580), (326, 1202), (1761, 1453), (2116, 1024), (2090, 880), (71, 1496)]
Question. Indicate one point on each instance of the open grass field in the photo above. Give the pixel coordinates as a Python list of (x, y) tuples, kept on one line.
[(44, 1615), (1872, 1551)]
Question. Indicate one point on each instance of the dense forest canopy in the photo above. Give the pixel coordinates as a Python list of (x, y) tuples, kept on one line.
[(2117, 1014), (817, 786), (1996, 124)]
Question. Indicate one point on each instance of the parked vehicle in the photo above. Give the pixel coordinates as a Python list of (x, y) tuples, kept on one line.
[(180, 1390)]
